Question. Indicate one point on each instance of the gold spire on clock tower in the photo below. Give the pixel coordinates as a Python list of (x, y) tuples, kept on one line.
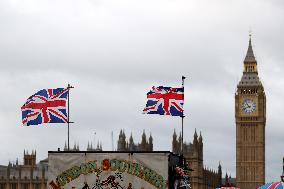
[(250, 114), (250, 64)]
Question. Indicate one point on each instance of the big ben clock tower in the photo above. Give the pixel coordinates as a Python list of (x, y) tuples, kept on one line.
[(250, 113)]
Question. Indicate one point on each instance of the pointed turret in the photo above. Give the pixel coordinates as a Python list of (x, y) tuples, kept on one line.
[(200, 139), (150, 143), (121, 143), (195, 138), (143, 145), (220, 174), (131, 143), (175, 134), (123, 135), (250, 56), (250, 63), (250, 74), (219, 168)]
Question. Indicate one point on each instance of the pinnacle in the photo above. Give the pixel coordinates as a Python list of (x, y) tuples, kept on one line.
[(195, 134), (249, 56)]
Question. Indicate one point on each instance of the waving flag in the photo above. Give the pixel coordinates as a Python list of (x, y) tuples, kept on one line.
[(165, 101), (273, 185), (45, 106)]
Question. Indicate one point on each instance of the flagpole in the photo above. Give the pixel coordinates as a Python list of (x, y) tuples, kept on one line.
[(182, 117), (68, 111)]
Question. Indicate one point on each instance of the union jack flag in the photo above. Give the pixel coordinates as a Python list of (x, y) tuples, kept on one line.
[(273, 185), (45, 106), (165, 101)]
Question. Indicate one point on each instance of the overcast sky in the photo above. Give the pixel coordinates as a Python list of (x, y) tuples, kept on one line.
[(114, 51)]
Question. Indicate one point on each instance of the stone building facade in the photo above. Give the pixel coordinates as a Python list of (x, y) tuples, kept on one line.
[(201, 177), (27, 176)]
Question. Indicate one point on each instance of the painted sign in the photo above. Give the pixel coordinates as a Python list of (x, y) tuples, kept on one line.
[(93, 170)]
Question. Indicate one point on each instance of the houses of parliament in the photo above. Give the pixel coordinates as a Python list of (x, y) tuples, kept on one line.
[(32, 175)]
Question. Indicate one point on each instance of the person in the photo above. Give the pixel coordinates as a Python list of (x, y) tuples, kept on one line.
[(182, 180), (129, 186), (86, 186)]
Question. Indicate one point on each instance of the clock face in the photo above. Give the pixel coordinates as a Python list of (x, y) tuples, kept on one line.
[(248, 106)]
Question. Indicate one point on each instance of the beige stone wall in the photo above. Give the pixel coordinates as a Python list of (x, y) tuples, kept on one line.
[(250, 142)]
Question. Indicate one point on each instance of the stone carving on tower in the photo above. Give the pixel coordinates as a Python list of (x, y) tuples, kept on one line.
[(250, 114)]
